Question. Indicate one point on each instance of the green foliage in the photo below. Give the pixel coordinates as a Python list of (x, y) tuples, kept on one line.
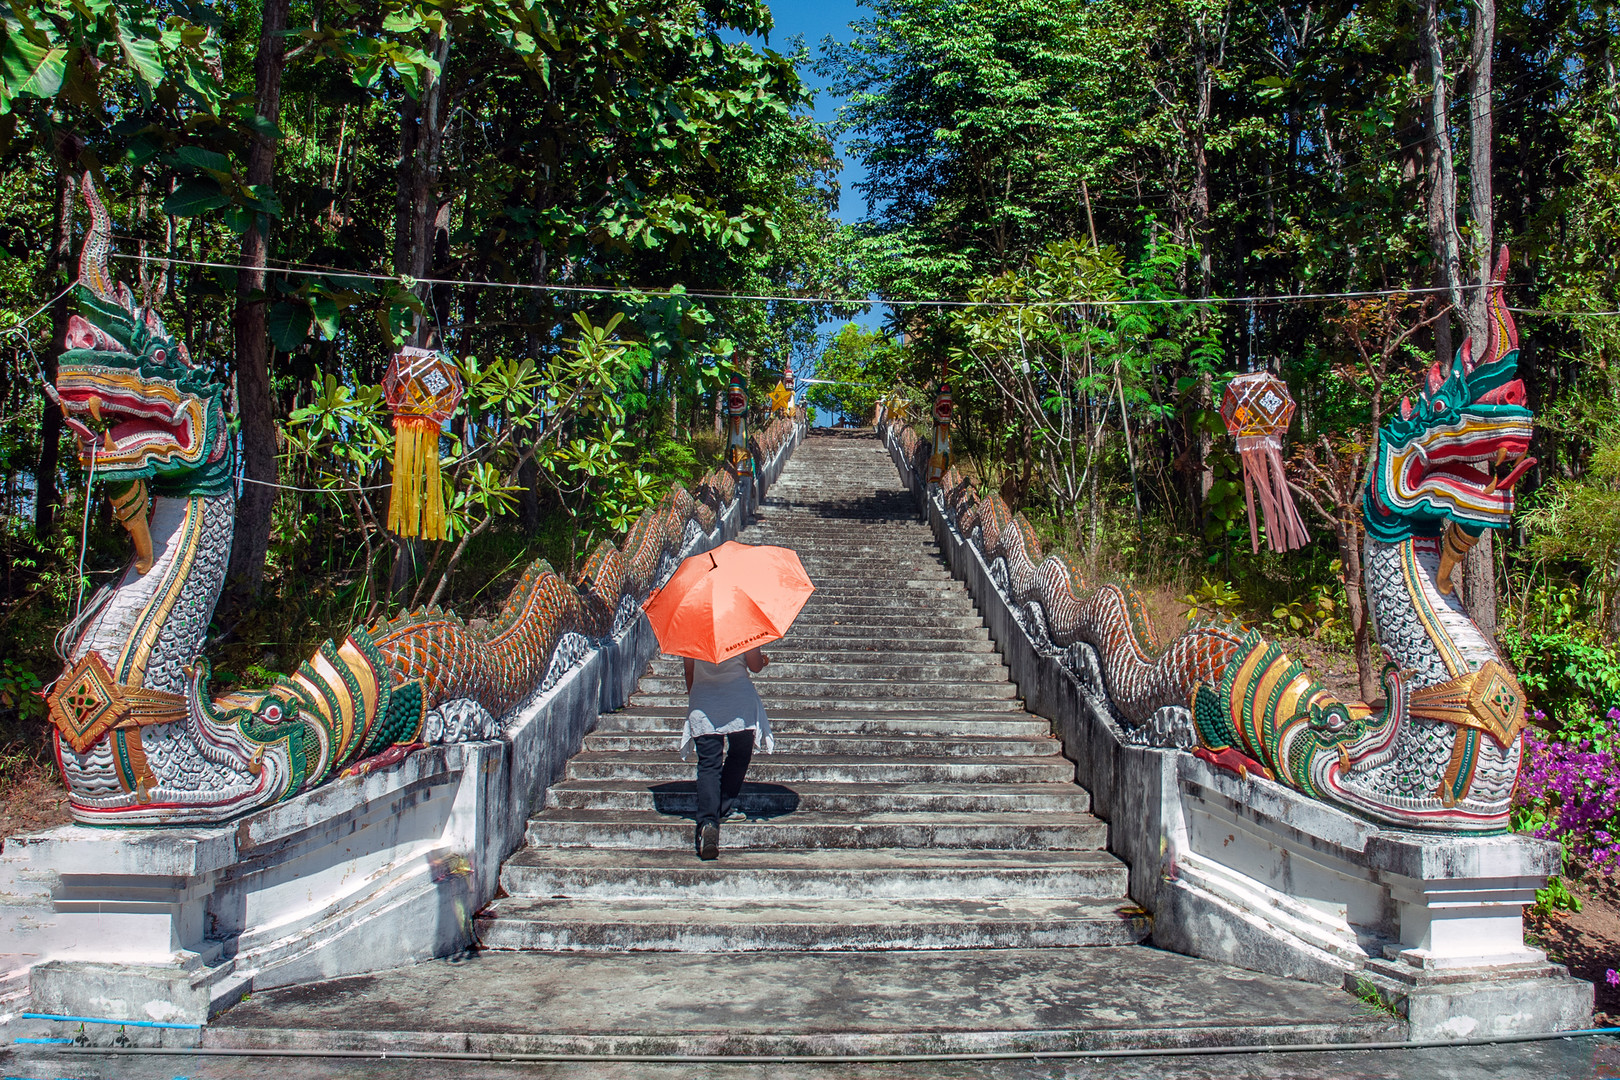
[(1317, 615), (1060, 346), (862, 365), (1213, 598), (57, 49), (19, 690), (1371, 998), (1555, 897)]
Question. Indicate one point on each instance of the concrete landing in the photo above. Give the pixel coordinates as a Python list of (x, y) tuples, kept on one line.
[(954, 1001)]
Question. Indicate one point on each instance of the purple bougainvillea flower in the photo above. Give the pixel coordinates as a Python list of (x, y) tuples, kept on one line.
[(1612, 978), (1572, 783)]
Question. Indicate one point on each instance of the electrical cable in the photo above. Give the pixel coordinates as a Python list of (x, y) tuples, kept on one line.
[(316, 491), (665, 293), (17, 327)]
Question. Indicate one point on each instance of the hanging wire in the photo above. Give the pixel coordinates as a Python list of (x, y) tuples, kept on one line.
[(317, 491), (859, 301)]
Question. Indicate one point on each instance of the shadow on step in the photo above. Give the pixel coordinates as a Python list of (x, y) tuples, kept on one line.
[(760, 802)]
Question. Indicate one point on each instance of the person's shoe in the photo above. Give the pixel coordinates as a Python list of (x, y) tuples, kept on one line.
[(709, 842), (734, 814)]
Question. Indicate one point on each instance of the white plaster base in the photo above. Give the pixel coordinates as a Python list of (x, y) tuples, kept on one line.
[(357, 875), (1252, 873)]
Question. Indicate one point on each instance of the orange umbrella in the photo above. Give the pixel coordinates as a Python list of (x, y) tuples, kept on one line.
[(726, 601)]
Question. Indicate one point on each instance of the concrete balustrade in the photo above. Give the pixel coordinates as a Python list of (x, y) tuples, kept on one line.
[(357, 875), (1255, 874)]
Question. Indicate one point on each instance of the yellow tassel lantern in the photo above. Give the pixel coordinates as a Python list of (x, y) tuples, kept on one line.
[(422, 389)]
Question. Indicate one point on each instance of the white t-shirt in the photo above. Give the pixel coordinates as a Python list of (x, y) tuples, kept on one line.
[(724, 700)]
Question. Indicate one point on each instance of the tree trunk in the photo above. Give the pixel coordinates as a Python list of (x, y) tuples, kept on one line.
[(1479, 584), (1443, 217), (1205, 442), (416, 204), (1198, 226), (1479, 566), (1355, 605), (1479, 163), (419, 179), (59, 264), (254, 404)]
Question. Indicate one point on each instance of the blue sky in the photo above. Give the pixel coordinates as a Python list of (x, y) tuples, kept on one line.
[(815, 22)]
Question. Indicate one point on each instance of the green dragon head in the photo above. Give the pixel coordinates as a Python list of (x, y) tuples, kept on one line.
[(1440, 461), (131, 394)]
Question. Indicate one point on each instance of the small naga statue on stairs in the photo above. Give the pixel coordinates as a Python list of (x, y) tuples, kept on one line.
[(140, 739), (1441, 752)]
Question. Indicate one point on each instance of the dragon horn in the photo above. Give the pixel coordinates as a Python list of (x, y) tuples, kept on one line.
[(1502, 333), (97, 243)]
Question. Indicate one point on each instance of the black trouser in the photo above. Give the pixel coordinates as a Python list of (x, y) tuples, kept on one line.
[(717, 786)]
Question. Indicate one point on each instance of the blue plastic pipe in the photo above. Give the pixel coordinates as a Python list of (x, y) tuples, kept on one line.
[(100, 1020)]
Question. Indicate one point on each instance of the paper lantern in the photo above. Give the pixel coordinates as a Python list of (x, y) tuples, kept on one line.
[(422, 389), (1257, 411), (782, 400)]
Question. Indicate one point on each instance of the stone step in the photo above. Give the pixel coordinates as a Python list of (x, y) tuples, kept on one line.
[(970, 712), (791, 704), (851, 689), (853, 591), (745, 925), (760, 800), (793, 769), (671, 722), (975, 656), (851, 745), (912, 641), (954, 1002), (910, 562), (975, 831), (775, 702), (892, 622), (918, 610), (986, 666), (833, 543), (606, 874), (833, 578), (872, 546), (911, 635)]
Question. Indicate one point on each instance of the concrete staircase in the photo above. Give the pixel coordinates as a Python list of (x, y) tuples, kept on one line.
[(911, 802)]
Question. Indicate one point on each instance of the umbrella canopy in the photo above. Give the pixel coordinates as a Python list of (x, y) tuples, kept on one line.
[(726, 601)]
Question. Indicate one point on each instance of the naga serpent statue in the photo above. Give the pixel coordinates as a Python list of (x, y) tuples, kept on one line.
[(138, 736), (1441, 752)]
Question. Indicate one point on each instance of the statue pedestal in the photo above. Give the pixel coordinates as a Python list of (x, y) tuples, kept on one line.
[(1258, 875)]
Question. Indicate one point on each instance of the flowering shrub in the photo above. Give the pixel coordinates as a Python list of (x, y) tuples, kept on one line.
[(1567, 791)]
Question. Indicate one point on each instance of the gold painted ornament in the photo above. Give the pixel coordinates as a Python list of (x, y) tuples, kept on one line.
[(422, 389)]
